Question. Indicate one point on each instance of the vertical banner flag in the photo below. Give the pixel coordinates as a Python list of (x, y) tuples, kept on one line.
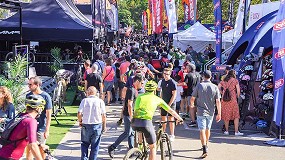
[(165, 18), (103, 12), (150, 17), (185, 4), (192, 6), (144, 21), (96, 20), (218, 29), (159, 9), (154, 2), (148, 21), (239, 20), (112, 14), (171, 14), (278, 66)]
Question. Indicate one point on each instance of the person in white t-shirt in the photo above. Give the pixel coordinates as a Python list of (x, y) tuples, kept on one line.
[(92, 120), (179, 90)]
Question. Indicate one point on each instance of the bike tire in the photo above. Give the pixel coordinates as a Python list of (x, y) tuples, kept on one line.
[(134, 151), (166, 148), (9, 57)]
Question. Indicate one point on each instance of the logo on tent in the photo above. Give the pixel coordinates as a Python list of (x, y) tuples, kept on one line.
[(10, 32), (279, 83), (279, 25), (280, 54)]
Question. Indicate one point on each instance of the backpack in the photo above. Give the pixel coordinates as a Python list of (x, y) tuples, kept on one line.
[(9, 128), (227, 95)]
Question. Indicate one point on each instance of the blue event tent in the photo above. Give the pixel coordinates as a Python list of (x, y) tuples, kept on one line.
[(261, 39), (48, 20)]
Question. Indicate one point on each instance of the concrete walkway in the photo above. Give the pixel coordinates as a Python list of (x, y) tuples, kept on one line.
[(186, 145)]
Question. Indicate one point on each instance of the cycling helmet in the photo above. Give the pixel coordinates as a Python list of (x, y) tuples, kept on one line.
[(248, 68), (133, 61), (268, 96), (80, 88), (268, 74), (150, 86), (261, 124), (245, 78), (35, 101), (251, 57)]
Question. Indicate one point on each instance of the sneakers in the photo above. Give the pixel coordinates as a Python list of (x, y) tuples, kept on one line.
[(226, 133), (111, 151), (238, 134), (192, 124), (204, 155), (171, 138)]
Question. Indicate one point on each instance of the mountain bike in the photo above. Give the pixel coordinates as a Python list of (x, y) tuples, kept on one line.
[(162, 142)]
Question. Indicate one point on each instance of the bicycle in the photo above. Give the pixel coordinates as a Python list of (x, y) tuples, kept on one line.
[(162, 142), (22, 50)]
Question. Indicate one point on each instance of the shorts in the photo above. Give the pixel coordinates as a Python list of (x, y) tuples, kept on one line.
[(204, 122), (178, 106), (108, 85), (146, 127), (165, 113), (41, 138), (184, 93)]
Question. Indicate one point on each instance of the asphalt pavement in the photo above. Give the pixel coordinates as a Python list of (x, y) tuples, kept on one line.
[(186, 145)]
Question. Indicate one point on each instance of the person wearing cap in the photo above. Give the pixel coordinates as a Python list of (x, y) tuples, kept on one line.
[(208, 96)]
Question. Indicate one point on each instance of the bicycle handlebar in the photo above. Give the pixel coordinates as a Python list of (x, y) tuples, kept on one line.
[(163, 122)]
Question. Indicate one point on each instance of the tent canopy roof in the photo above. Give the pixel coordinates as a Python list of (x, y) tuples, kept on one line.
[(48, 20), (197, 32)]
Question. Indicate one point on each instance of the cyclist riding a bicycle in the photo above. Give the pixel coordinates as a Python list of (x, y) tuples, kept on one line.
[(144, 110)]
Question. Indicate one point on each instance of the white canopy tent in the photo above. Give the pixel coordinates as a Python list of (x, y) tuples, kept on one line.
[(197, 36)]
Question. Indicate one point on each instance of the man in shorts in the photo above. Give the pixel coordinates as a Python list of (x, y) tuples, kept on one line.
[(168, 94), (144, 110), (208, 96), (44, 119)]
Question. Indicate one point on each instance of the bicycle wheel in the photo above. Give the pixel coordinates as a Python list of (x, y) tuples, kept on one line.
[(165, 148), (9, 57), (133, 153)]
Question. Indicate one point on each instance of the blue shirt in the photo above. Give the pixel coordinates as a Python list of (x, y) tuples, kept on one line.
[(42, 119), (9, 113)]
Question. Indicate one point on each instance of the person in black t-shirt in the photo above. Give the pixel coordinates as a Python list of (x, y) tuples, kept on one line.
[(131, 95), (168, 94), (94, 79), (191, 80)]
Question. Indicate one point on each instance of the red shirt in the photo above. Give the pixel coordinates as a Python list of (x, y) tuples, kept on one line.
[(88, 71), (182, 74), (26, 128)]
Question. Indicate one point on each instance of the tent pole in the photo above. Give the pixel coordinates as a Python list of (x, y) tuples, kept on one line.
[(21, 26), (282, 119)]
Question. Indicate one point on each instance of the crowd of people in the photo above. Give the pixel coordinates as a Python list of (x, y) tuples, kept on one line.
[(124, 73)]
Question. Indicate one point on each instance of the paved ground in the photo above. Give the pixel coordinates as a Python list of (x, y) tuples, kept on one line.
[(186, 145)]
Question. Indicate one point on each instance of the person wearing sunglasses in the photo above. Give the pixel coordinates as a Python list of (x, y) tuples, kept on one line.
[(168, 91)]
